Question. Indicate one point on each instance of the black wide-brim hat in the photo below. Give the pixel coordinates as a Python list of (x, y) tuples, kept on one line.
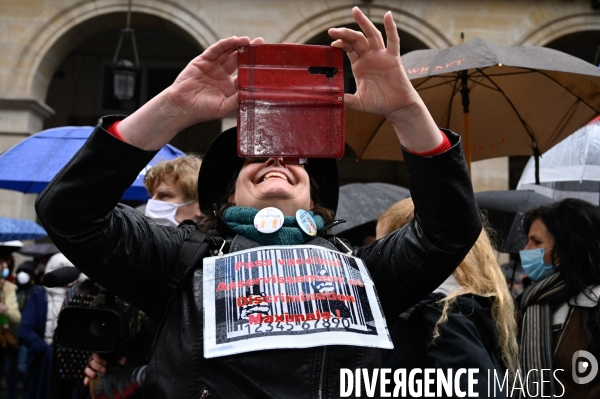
[(221, 163)]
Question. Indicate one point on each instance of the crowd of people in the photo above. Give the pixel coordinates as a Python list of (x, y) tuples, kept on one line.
[(31, 310), (218, 320)]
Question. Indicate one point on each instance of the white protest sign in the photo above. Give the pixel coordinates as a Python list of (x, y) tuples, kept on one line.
[(289, 297)]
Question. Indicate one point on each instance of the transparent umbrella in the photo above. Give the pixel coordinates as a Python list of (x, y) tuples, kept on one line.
[(570, 169)]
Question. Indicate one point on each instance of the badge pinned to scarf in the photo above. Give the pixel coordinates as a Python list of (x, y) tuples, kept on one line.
[(306, 222), (268, 220)]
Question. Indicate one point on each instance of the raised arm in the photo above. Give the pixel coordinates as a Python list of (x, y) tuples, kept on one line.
[(409, 263), (115, 245)]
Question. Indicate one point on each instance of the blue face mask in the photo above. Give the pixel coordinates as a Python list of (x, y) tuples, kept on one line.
[(533, 264), (5, 273)]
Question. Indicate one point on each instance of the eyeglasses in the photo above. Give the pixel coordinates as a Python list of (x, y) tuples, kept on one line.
[(285, 161)]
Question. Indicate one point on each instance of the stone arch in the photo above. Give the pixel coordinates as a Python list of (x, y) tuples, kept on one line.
[(559, 27), (72, 24), (339, 16)]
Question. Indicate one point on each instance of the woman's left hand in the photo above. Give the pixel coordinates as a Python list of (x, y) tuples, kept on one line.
[(382, 86)]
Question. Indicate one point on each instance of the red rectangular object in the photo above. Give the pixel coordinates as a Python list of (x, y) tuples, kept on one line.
[(290, 101)]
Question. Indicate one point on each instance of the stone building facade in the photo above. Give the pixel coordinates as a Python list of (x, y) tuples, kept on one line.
[(56, 55)]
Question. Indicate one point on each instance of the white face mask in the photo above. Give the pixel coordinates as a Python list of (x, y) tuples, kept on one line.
[(163, 213), (23, 278)]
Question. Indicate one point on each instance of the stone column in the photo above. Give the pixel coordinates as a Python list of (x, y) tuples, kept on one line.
[(19, 118)]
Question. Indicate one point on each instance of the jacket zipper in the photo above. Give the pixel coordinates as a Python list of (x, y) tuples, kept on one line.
[(323, 370)]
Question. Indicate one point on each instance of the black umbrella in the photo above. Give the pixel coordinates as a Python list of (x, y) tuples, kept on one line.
[(362, 203), (504, 211), (39, 250), (8, 247), (12, 245)]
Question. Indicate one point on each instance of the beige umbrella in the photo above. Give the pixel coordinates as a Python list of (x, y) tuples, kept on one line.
[(519, 100)]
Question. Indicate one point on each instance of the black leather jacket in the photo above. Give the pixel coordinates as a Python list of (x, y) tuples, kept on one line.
[(126, 253), (468, 339)]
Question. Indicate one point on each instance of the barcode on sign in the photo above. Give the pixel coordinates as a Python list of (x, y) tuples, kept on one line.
[(280, 297), (285, 291)]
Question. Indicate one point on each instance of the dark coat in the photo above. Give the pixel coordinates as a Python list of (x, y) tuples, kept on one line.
[(468, 339), (124, 252), (39, 353)]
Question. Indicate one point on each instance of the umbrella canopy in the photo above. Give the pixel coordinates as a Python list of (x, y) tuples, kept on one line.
[(20, 229), (361, 203), (504, 210), (31, 164), (570, 169), (11, 246), (520, 98), (39, 250)]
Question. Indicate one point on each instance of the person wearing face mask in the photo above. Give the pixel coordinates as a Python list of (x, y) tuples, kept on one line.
[(36, 331), (560, 309), (10, 317), (25, 281), (248, 205), (173, 188), (25, 286), (7, 249)]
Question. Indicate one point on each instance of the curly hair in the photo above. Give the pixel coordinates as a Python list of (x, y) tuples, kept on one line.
[(184, 170)]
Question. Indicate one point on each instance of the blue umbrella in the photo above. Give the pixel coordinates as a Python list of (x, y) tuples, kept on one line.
[(31, 164), (20, 229)]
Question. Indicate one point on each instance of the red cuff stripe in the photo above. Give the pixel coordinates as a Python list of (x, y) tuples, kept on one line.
[(443, 147), (112, 129)]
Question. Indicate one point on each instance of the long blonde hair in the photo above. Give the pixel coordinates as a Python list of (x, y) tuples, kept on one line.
[(479, 273)]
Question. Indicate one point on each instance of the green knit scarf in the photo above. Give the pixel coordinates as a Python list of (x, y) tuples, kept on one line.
[(241, 220)]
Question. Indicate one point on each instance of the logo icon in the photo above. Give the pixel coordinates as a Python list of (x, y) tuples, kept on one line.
[(580, 366)]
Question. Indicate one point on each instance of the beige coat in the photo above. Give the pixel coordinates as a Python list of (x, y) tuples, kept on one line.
[(8, 295)]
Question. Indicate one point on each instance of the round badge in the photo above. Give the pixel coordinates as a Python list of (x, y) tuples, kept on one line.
[(306, 222), (268, 220)]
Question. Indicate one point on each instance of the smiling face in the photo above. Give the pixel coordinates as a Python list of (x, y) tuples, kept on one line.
[(273, 183), (540, 237)]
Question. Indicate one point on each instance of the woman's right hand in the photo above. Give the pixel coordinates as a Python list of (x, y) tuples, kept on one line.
[(205, 90), (97, 367)]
